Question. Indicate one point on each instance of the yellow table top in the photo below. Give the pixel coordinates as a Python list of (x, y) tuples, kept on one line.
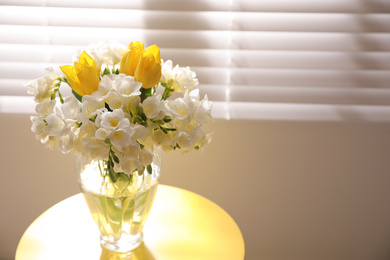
[(181, 225)]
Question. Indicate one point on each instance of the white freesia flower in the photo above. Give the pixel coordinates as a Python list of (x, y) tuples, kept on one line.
[(113, 120), (117, 90), (158, 136), (70, 107), (179, 108), (42, 87), (126, 85), (97, 149), (121, 138), (133, 103), (51, 142), (154, 108), (91, 105), (115, 126), (203, 111), (129, 165), (109, 52), (65, 143), (104, 88), (45, 108), (129, 162), (87, 129), (55, 125), (180, 79), (184, 141), (139, 131), (37, 127), (145, 157), (102, 133)]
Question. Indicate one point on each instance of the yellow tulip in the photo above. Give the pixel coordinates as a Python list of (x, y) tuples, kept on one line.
[(83, 77), (143, 65)]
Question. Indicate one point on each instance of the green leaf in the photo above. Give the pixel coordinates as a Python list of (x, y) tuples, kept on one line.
[(143, 116), (116, 159), (167, 93), (108, 107), (92, 119), (113, 175), (164, 130), (110, 163), (128, 208), (167, 119), (59, 94), (149, 169), (79, 97), (106, 71), (141, 146), (65, 80), (103, 204), (145, 93)]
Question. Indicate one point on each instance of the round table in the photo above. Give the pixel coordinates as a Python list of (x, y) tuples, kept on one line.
[(181, 225)]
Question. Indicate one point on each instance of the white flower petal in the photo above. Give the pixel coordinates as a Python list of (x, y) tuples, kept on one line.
[(120, 139), (145, 158), (70, 107), (55, 125), (102, 134)]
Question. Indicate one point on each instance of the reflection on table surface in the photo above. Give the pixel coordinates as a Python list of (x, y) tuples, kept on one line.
[(140, 253), (181, 225)]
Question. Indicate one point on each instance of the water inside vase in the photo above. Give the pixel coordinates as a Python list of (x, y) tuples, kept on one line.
[(120, 214), (121, 219)]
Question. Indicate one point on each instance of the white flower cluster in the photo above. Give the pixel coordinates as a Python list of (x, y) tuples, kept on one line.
[(115, 121), (180, 79), (109, 53)]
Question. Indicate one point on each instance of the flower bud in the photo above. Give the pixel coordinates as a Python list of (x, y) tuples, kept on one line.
[(83, 77), (143, 65)]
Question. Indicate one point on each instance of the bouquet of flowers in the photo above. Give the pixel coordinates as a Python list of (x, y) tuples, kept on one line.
[(125, 102)]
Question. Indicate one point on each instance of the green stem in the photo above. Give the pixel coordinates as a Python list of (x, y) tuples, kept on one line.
[(143, 93)]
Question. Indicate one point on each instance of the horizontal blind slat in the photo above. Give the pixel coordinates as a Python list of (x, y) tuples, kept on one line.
[(326, 6), (174, 20), (348, 42), (251, 77), (320, 78), (304, 112), (310, 95), (217, 58), (264, 94)]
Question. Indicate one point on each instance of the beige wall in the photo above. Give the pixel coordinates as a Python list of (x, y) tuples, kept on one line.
[(298, 190)]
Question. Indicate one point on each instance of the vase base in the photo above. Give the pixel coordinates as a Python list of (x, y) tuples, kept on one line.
[(125, 244)]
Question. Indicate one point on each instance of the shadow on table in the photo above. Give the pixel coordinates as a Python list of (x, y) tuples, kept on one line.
[(140, 253)]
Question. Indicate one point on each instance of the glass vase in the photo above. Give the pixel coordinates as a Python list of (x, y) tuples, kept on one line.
[(120, 205)]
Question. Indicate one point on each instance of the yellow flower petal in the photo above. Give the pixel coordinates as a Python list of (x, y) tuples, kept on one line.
[(87, 60), (89, 79), (83, 77), (74, 82), (151, 76), (143, 65), (131, 58), (155, 52)]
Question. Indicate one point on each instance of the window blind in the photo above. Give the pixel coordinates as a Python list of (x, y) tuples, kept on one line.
[(270, 59)]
